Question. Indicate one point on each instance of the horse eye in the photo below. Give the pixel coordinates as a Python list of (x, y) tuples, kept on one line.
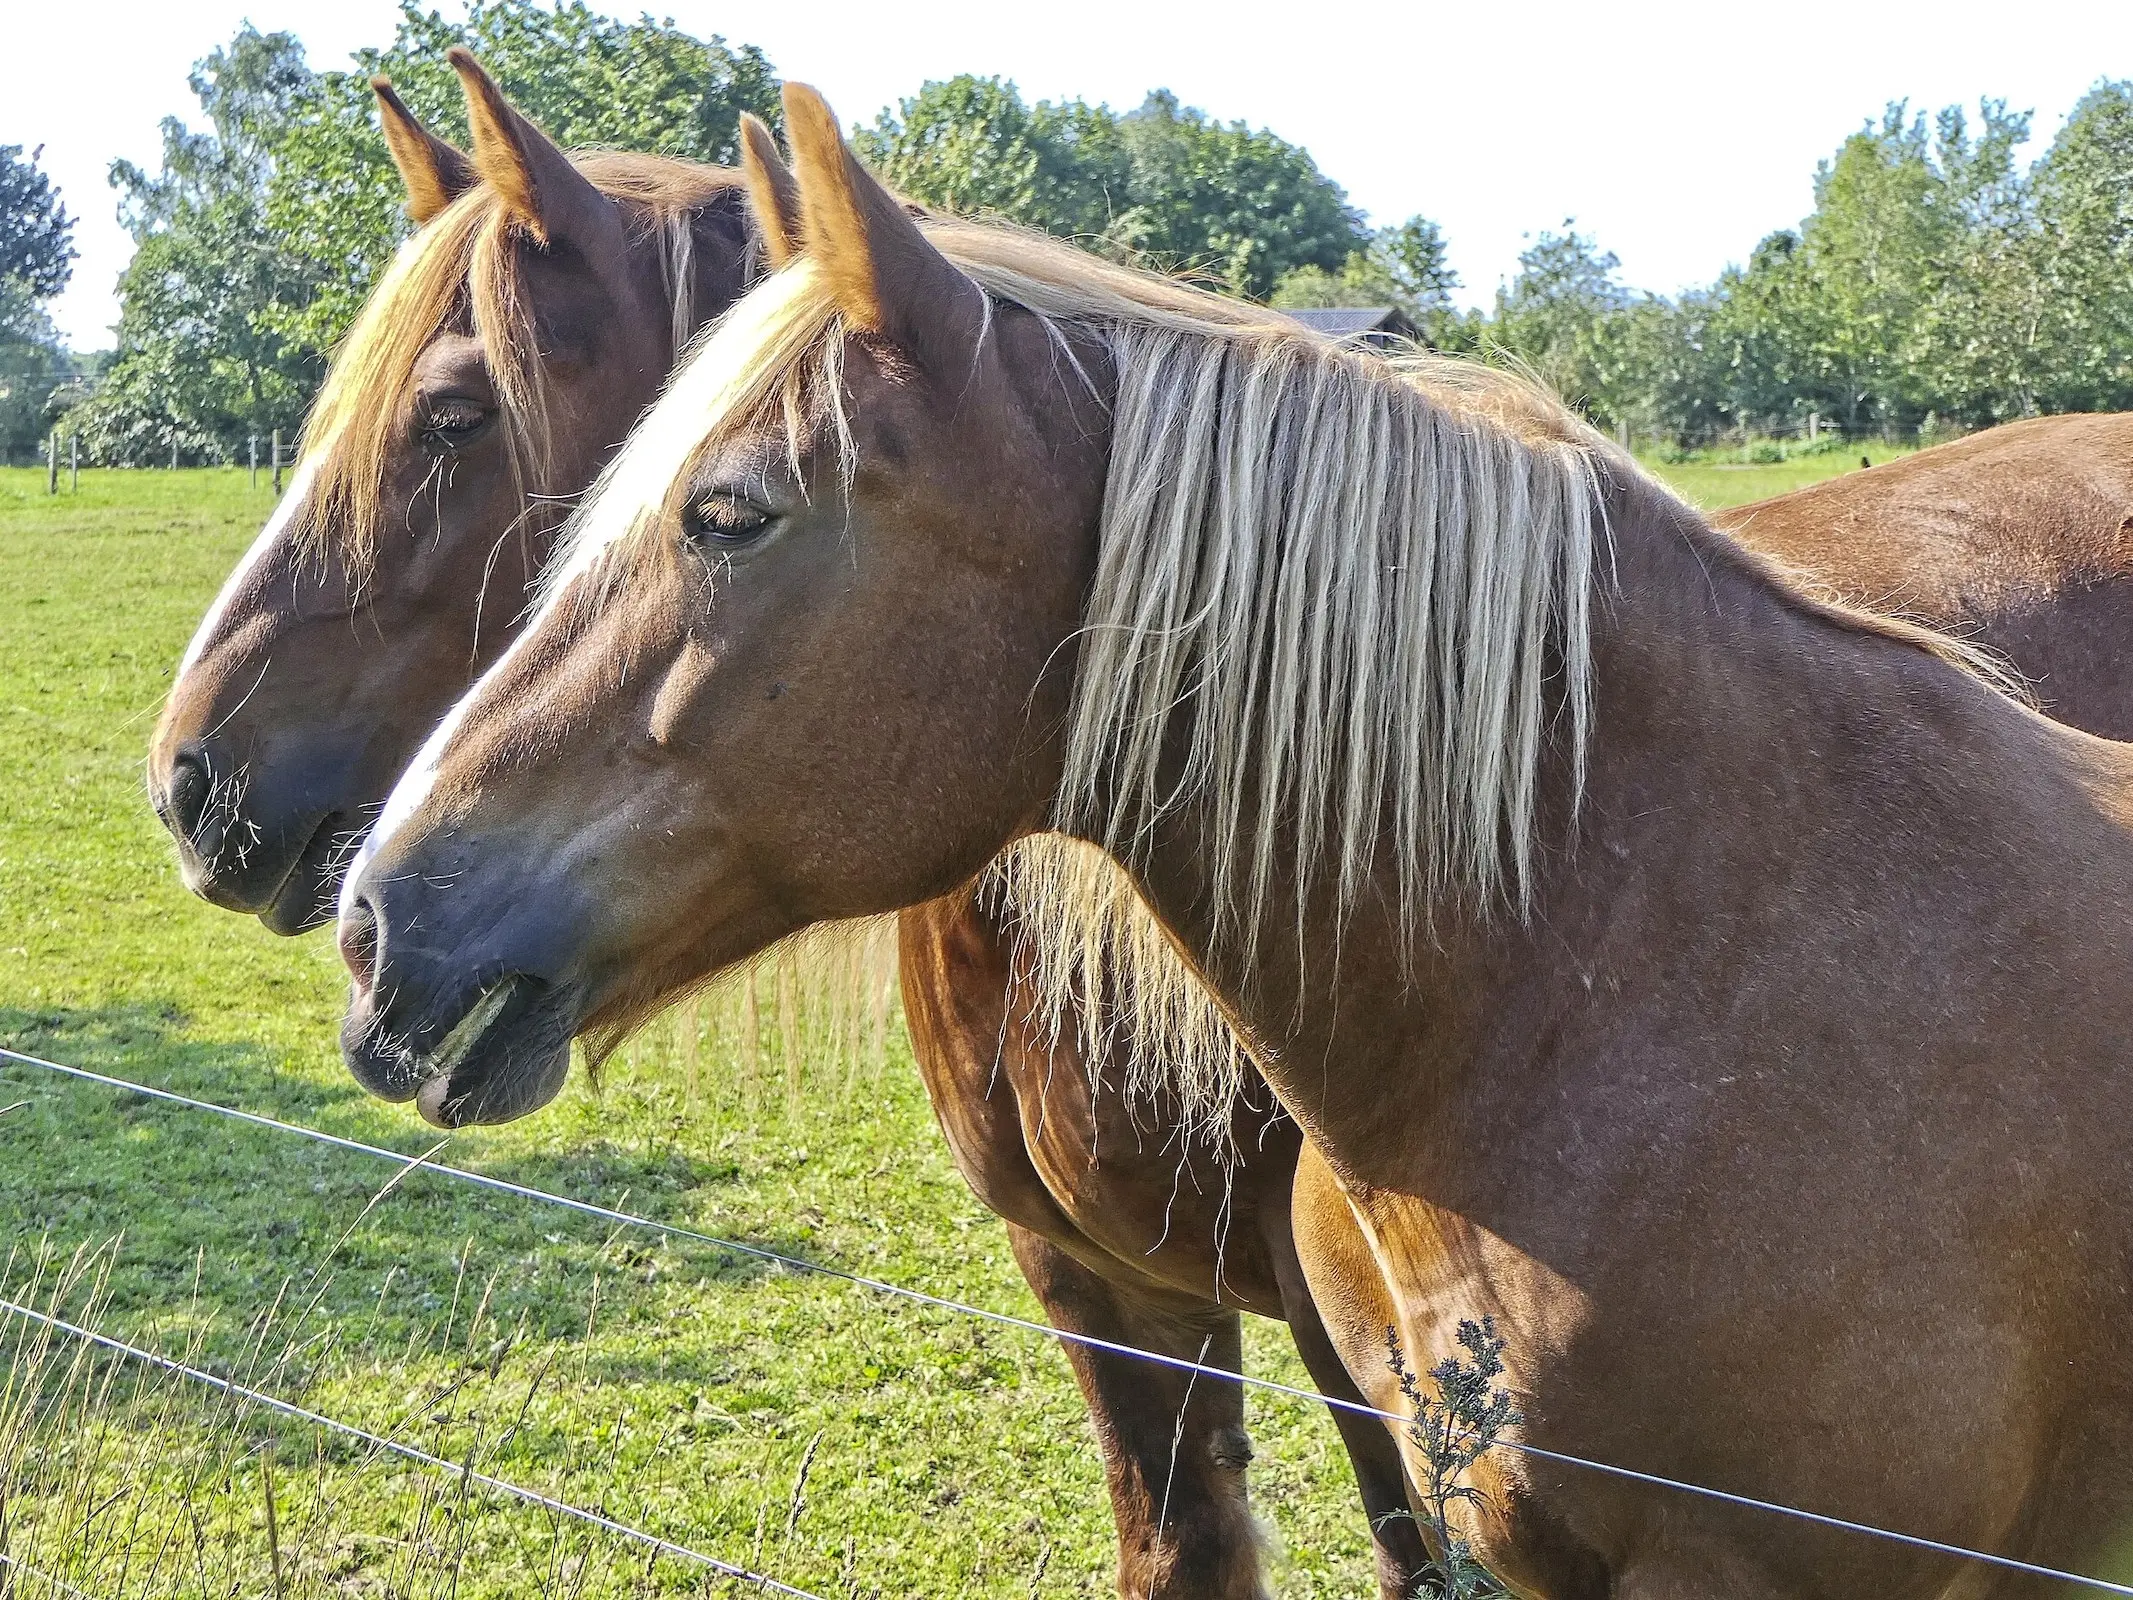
[(451, 425), (718, 519)]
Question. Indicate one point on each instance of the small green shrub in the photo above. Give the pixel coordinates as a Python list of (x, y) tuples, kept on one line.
[(1463, 1423)]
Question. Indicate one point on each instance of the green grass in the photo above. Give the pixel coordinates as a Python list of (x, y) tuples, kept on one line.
[(675, 1389), (1715, 479)]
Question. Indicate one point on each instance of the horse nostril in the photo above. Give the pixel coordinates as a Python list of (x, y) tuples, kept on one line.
[(358, 940), (185, 800)]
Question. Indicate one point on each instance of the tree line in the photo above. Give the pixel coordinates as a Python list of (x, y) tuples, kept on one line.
[(36, 260), (1937, 282)]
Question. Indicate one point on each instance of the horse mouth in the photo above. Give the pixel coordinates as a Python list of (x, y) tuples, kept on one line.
[(506, 1056), (243, 866), (305, 897)]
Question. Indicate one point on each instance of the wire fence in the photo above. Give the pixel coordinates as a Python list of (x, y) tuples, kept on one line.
[(348, 1430), (424, 1162), (23, 1569)]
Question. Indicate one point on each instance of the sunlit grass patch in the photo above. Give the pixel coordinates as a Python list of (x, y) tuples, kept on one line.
[(1736, 475), (679, 1388)]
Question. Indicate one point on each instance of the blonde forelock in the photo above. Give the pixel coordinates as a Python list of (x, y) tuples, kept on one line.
[(463, 270)]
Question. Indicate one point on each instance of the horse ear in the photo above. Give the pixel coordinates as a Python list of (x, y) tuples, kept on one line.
[(887, 278), (772, 193), (435, 173), (544, 192)]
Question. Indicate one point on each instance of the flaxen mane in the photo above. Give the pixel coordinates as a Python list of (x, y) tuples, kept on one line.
[(462, 271), (1365, 585)]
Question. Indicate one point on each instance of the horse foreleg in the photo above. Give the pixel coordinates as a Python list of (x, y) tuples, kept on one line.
[(1174, 1445), (1395, 1537)]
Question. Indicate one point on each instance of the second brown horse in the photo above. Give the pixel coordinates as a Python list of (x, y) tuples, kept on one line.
[(480, 392)]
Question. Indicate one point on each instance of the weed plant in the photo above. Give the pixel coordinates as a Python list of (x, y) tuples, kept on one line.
[(1451, 1430)]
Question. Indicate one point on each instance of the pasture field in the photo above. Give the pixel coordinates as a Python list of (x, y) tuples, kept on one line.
[(846, 1444), (1715, 479)]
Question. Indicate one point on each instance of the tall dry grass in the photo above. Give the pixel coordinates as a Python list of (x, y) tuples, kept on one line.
[(123, 1481), (807, 1022)]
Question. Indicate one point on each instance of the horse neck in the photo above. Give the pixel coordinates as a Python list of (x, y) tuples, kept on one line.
[(1718, 695)]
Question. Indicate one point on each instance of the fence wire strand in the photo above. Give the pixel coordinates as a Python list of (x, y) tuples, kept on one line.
[(55, 1585), (463, 1470), (1064, 1335)]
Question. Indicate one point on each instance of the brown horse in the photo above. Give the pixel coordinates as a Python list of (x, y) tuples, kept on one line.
[(2020, 538), (491, 366), (1721, 988), (438, 462)]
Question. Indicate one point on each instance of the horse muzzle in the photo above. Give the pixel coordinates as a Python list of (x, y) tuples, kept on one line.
[(505, 1055), (474, 1037), (244, 851)]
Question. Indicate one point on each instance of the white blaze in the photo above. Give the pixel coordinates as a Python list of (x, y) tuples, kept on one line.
[(277, 526), (633, 486)]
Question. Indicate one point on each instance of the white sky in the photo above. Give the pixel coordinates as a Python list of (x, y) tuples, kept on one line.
[(1679, 134)]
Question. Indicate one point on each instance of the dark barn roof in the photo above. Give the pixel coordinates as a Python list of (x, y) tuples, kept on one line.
[(1368, 324)]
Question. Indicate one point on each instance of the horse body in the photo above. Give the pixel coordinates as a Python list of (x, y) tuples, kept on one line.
[(2020, 537), (1768, 1189), (1777, 1113), (1811, 1263), (1974, 535)]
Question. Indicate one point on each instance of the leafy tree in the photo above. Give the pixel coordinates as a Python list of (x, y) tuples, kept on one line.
[(1934, 279), (1867, 255), (36, 259), (1164, 183), (2082, 300), (1679, 379), (1754, 325), (1564, 317), (201, 360), (1898, 293), (972, 146), (1238, 203), (1974, 349), (33, 369), (36, 238), (587, 79), (1417, 260)]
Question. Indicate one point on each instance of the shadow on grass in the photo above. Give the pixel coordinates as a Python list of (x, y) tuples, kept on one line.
[(238, 1210), (149, 1043)]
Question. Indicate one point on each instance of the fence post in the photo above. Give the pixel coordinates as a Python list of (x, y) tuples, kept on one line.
[(51, 456), (74, 463), (277, 461), (174, 450), (1814, 426), (252, 443)]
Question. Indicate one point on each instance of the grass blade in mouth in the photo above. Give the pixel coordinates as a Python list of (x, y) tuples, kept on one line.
[(467, 1032)]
